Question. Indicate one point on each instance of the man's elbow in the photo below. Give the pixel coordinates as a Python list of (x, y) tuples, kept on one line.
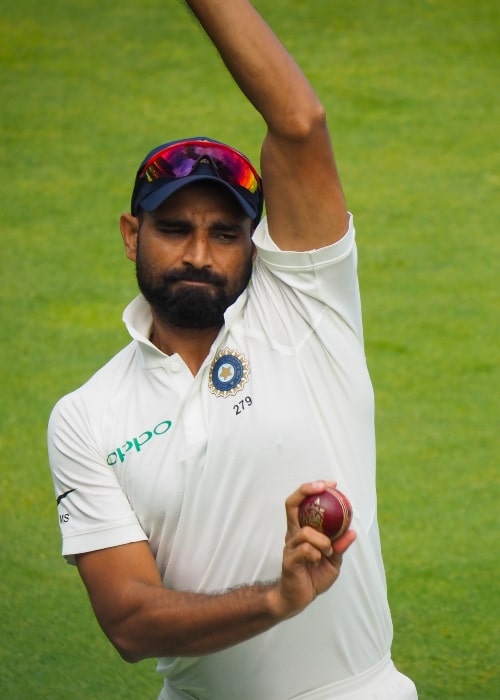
[(128, 644), (305, 124), (128, 649), (131, 658)]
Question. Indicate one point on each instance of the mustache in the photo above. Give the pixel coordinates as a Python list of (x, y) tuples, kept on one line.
[(201, 275)]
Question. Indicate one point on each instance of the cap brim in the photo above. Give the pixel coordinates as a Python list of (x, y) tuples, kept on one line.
[(152, 201)]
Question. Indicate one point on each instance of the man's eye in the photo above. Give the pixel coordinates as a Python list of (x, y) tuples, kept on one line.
[(172, 231), (225, 234)]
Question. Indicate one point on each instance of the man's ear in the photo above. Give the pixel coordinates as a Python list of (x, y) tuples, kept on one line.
[(129, 227)]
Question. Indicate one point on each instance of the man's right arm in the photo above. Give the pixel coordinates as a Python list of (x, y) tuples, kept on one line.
[(143, 619)]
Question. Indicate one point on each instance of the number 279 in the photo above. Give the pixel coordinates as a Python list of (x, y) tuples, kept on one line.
[(241, 405)]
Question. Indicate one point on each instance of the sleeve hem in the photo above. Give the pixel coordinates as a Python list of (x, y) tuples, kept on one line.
[(302, 260), (101, 539)]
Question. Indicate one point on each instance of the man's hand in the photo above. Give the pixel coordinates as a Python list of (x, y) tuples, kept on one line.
[(311, 562)]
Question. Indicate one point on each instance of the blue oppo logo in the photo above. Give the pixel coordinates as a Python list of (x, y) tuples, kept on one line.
[(137, 443)]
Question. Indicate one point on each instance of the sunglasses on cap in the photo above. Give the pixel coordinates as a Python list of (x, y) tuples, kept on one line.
[(181, 159)]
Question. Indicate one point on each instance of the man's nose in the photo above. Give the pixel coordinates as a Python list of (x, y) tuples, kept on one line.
[(197, 251)]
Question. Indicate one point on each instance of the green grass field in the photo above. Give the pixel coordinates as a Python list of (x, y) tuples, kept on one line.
[(412, 93)]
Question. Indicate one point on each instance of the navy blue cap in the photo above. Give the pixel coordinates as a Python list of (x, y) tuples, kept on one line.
[(149, 195)]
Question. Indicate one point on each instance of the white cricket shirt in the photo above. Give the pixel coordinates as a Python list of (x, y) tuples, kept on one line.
[(201, 467)]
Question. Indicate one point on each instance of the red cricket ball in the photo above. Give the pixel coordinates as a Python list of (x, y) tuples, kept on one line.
[(329, 512)]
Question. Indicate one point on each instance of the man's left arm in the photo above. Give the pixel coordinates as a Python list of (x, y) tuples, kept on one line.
[(304, 200)]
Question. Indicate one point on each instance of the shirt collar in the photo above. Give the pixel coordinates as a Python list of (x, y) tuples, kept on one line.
[(139, 322)]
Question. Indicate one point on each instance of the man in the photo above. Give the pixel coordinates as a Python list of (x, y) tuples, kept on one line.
[(245, 378)]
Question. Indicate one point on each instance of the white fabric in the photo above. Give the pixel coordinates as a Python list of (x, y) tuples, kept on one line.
[(202, 473), (381, 682)]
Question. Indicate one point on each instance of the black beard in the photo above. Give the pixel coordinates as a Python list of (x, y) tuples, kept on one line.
[(186, 306)]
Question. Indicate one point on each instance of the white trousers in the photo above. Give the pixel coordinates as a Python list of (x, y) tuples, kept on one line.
[(381, 682)]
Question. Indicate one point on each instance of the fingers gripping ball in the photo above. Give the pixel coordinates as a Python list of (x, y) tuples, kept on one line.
[(329, 512)]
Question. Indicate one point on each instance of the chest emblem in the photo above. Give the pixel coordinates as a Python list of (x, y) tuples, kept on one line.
[(229, 373)]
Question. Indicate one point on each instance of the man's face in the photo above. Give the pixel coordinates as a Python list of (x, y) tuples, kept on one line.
[(194, 256)]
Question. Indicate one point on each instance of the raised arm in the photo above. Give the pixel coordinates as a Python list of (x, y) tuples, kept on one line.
[(143, 619), (304, 199)]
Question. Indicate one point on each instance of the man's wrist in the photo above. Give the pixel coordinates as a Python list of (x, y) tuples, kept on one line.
[(276, 608)]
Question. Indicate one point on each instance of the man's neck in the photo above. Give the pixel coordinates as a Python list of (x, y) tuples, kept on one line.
[(191, 344)]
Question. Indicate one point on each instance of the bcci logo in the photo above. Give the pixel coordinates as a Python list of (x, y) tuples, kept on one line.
[(228, 373)]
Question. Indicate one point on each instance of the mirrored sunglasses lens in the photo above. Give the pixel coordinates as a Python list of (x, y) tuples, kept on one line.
[(181, 159), (235, 168)]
